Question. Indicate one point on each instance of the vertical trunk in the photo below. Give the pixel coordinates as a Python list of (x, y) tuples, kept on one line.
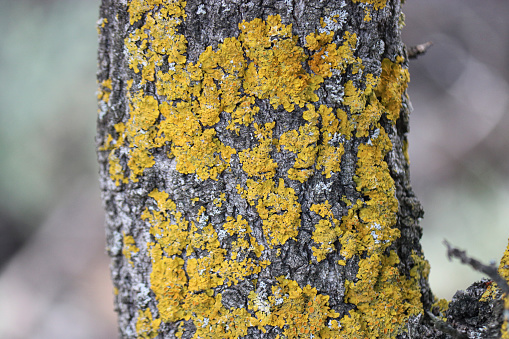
[(254, 170)]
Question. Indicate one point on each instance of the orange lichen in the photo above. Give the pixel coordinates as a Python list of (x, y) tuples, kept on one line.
[(277, 207), (493, 291), (104, 91), (503, 268), (367, 15), (240, 228), (377, 4), (146, 326), (190, 257), (100, 24), (368, 229), (129, 248), (276, 71), (392, 86), (326, 232), (302, 312), (181, 294), (264, 61), (385, 299), (328, 56), (329, 156), (303, 144), (257, 160), (115, 169)]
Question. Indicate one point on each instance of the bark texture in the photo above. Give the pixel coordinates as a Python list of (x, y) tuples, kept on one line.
[(254, 172)]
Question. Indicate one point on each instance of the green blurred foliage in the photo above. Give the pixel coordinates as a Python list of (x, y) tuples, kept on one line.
[(48, 65)]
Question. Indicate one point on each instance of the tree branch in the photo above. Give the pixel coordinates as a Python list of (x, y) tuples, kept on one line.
[(445, 327), (491, 271), (415, 51)]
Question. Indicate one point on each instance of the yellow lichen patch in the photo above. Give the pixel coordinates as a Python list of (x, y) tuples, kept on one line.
[(392, 86), (377, 4), (196, 150), (169, 283), (442, 305), (280, 212), (243, 114), (209, 103), (230, 59), (110, 143), (277, 206), (146, 326), (405, 151), (235, 270), (202, 272), (148, 49), (367, 15), (276, 71), (421, 267), (326, 232), (171, 236), (328, 56), (174, 84), (330, 159), (257, 160), (169, 227), (264, 61), (503, 268), (183, 286), (129, 248), (364, 106), (140, 132), (189, 262), (303, 144), (245, 241), (354, 98), (493, 291), (375, 182), (368, 228), (144, 113), (329, 156), (100, 24), (301, 312), (218, 322), (207, 157), (381, 95), (385, 299), (115, 169), (104, 91), (174, 288), (345, 126), (330, 124)]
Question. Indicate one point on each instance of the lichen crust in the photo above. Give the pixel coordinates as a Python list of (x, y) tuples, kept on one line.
[(195, 260)]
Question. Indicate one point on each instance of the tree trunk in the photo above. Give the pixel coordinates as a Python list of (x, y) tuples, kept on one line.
[(254, 170)]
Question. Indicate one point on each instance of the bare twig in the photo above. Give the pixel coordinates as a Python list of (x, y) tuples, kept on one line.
[(415, 51), (445, 327), (491, 270)]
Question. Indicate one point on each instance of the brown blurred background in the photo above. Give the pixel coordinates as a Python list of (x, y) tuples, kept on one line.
[(54, 278)]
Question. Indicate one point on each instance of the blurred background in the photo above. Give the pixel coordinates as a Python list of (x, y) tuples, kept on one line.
[(54, 277)]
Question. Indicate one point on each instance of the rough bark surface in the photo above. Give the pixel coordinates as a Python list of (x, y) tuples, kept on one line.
[(254, 172)]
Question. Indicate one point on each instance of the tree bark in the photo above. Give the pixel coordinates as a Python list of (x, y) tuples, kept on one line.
[(254, 171)]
